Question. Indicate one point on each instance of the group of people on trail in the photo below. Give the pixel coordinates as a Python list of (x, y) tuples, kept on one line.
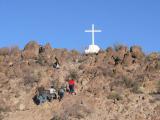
[(43, 95), (52, 93)]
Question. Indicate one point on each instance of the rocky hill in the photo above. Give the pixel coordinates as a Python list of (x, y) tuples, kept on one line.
[(119, 83)]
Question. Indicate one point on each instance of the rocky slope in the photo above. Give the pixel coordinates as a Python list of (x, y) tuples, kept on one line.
[(117, 84)]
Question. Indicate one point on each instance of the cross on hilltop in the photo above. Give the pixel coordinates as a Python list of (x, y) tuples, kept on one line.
[(92, 48), (93, 31)]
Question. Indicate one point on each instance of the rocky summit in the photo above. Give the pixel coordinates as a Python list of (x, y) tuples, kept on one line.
[(119, 83)]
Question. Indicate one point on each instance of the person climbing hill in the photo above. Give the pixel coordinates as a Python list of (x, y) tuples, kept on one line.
[(71, 86), (53, 93), (56, 64), (61, 93)]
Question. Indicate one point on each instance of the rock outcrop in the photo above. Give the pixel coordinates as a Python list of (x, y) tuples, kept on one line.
[(31, 50)]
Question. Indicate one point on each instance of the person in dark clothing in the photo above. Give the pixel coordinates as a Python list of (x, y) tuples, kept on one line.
[(56, 64), (61, 93), (41, 49)]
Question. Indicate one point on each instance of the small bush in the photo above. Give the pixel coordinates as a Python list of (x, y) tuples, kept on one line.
[(77, 111), (135, 88), (57, 118), (41, 60), (117, 47), (73, 75), (74, 52), (14, 50), (158, 86), (30, 79), (3, 109), (4, 51), (1, 59), (115, 96), (128, 83), (157, 65), (82, 59), (55, 84), (133, 85)]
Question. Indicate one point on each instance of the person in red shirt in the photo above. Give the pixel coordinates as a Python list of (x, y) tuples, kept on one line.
[(71, 86)]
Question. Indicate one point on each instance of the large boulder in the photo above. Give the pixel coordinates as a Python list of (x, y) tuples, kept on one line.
[(31, 50), (136, 52)]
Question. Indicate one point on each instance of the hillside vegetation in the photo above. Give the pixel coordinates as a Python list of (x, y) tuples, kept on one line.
[(119, 83)]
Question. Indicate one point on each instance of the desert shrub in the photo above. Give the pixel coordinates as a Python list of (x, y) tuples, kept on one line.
[(1, 59), (74, 52), (56, 84), (56, 117), (1, 117), (77, 111), (30, 79), (114, 96), (117, 47), (72, 75), (109, 49), (158, 86), (156, 110), (121, 81), (41, 60), (128, 83), (10, 73), (136, 52), (82, 59), (4, 51), (136, 88), (14, 50), (133, 85), (152, 56), (3, 110), (157, 65)]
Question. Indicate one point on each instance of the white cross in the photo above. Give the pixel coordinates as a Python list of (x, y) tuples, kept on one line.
[(93, 31)]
